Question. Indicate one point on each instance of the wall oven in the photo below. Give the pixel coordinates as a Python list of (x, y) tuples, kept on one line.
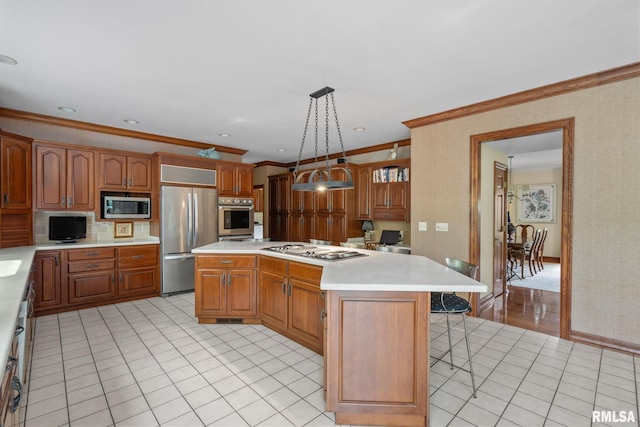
[(235, 217)]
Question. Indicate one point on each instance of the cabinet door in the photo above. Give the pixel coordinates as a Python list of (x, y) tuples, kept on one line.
[(306, 304), (296, 227), (364, 193), (322, 227), (308, 226), (16, 173), (226, 179), (273, 299), (241, 293), (80, 180), (51, 178), (139, 173), (137, 281), (113, 171), (380, 198), (244, 181), (47, 277), (337, 227), (91, 287), (210, 288)]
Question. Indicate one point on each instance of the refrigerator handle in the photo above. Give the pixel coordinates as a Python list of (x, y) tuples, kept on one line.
[(195, 219), (189, 220)]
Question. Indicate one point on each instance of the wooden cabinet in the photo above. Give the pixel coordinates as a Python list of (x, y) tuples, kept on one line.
[(77, 278), (235, 179), (366, 331), (48, 269), (258, 199), (16, 225), (15, 182), (291, 301), (279, 206), (91, 275), (65, 178), (390, 201), (226, 288), (120, 172), (137, 270), (383, 191), (9, 389)]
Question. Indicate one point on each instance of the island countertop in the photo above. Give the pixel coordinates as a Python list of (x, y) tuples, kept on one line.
[(378, 271)]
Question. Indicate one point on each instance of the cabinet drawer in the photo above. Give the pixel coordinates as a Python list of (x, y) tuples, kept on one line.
[(226, 261), (273, 265), (138, 256), (99, 264), (90, 253), (311, 273)]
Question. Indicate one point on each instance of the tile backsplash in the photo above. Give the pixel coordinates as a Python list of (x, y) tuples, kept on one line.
[(97, 231)]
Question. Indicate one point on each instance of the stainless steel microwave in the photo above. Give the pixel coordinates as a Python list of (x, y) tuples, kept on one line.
[(116, 207)]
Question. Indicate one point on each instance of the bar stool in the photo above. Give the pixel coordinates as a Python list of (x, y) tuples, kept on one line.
[(449, 303)]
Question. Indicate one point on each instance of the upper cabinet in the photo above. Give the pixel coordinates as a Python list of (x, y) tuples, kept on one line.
[(120, 172), (235, 179), (383, 191), (15, 154), (65, 178)]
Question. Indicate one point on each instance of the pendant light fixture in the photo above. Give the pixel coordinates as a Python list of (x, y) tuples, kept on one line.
[(321, 178)]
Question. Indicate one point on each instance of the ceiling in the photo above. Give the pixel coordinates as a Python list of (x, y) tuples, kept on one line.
[(195, 69)]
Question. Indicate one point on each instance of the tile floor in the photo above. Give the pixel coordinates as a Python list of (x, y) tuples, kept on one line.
[(148, 363)]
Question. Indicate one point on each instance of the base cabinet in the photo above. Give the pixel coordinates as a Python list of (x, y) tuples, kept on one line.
[(78, 278), (366, 331), (226, 288), (291, 301)]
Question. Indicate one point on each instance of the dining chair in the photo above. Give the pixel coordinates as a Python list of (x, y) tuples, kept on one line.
[(531, 253), (525, 231), (449, 303), (540, 252)]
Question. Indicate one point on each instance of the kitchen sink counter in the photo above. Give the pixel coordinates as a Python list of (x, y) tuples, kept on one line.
[(378, 271), (48, 245), (15, 266)]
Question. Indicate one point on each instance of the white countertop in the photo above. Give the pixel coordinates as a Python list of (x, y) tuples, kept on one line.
[(379, 271), (46, 246), (15, 266)]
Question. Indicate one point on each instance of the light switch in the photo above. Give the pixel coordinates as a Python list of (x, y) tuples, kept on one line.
[(442, 226), (422, 226)]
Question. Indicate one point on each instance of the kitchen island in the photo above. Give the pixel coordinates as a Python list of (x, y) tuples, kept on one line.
[(376, 326)]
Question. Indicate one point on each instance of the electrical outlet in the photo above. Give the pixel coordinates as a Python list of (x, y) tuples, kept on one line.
[(442, 226), (422, 226)]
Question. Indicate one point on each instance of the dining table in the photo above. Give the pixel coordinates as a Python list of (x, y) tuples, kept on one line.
[(516, 252)]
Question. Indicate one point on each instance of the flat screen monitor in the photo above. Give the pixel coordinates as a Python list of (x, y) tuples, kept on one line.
[(67, 229)]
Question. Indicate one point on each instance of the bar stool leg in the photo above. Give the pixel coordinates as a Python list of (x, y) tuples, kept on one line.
[(466, 336), (450, 346)]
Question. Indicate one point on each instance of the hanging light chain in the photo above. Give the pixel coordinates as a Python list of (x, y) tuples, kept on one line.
[(304, 136), (335, 114)]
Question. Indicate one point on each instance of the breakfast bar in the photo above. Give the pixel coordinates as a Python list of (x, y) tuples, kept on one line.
[(374, 320)]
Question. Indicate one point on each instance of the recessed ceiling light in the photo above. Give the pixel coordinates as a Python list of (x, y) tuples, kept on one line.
[(282, 150), (358, 129), (67, 109), (7, 60), (131, 121), (224, 135)]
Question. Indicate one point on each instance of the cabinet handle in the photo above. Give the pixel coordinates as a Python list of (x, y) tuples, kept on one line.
[(226, 261), (284, 285), (56, 261), (289, 290), (137, 256), (322, 316), (229, 279), (11, 363), (63, 201), (113, 278), (93, 265), (69, 202), (93, 254), (124, 182), (6, 198), (224, 278), (16, 385), (130, 182), (120, 277)]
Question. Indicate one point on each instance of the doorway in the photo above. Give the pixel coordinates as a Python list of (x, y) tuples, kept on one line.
[(566, 126)]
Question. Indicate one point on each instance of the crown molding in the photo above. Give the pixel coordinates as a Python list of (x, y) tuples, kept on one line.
[(585, 82)]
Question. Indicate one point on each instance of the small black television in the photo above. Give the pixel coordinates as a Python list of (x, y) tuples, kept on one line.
[(67, 229)]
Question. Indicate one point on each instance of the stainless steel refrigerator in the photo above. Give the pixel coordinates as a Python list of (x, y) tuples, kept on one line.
[(188, 219)]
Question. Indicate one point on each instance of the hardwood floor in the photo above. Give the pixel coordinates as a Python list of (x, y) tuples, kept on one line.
[(527, 308)]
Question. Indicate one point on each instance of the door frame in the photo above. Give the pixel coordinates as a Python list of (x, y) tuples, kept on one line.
[(567, 126)]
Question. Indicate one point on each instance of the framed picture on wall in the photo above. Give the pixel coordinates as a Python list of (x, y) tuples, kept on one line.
[(536, 203)]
